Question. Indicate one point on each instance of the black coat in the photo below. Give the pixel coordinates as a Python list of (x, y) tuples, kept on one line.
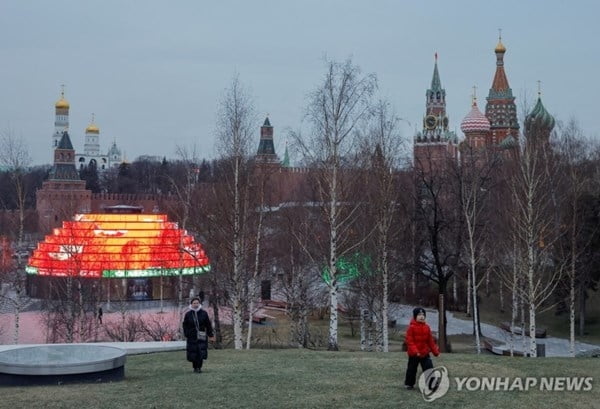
[(195, 348)]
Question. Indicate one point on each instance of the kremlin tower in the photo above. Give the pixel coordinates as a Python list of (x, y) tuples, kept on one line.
[(266, 148), (435, 143)]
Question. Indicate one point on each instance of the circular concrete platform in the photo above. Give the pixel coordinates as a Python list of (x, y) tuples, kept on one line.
[(61, 363)]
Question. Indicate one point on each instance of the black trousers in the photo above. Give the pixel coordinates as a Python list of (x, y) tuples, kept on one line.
[(413, 365), (197, 363)]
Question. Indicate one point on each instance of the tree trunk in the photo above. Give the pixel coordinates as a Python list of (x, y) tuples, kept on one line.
[(501, 291), (385, 311), (363, 329), (442, 324), (581, 309), (237, 322), (217, 321), (249, 332), (476, 324), (532, 340), (454, 292), (469, 295), (17, 317), (332, 344), (572, 315)]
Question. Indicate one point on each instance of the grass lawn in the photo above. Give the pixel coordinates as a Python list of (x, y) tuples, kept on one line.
[(290, 378)]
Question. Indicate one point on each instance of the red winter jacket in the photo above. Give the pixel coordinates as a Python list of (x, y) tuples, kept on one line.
[(419, 340)]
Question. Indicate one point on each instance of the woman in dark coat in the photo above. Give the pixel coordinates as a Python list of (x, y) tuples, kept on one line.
[(198, 330)]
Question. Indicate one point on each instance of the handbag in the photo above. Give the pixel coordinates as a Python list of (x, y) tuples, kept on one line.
[(200, 335)]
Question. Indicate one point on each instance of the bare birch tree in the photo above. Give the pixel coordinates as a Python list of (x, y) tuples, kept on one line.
[(14, 156), (577, 167), (475, 182), (334, 111), (536, 228), (235, 124), (382, 151)]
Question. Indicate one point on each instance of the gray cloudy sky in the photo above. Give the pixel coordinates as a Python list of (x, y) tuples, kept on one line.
[(153, 71)]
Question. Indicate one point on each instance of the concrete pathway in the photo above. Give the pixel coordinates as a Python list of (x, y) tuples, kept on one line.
[(554, 346)]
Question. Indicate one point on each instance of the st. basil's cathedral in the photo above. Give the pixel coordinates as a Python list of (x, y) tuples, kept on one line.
[(498, 128)]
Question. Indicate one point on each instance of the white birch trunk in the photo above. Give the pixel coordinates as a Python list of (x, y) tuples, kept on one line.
[(363, 329), (385, 309), (250, 322), (475, 310), (532, 340), (237, 323), (572, 315), (17, 318), (523, 322), (515, 301), (454, 289), (333, 317), (237, 262), (469, 294)]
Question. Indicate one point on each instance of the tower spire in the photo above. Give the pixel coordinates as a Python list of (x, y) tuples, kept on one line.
[(436, 84)]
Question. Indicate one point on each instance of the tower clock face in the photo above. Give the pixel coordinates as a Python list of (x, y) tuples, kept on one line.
[(430, 121)]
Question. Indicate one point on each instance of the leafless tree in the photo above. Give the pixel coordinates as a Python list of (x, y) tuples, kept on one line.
[(439, 227), (475, 181), (14, 156), (335, 109), (385, 211), (235, 124), (573, 152), (300, 284), (533, 190)]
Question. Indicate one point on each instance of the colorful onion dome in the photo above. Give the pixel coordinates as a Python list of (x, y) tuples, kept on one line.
[(475, 121), (539, 117), (118, 246)]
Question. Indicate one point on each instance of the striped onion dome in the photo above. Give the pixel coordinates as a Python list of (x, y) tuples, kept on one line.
[(475, 121), (118, 246), (540, 117)]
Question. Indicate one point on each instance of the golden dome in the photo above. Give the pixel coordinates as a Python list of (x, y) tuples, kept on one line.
[(500, 48), (62, 103), (92, 128)]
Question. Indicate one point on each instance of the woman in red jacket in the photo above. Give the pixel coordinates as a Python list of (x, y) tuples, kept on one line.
[(420, 343)]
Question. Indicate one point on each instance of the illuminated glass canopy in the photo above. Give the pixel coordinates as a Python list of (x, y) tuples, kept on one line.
[(118, 246)]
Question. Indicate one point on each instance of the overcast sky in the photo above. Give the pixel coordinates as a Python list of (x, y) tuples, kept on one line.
[(153, 72)]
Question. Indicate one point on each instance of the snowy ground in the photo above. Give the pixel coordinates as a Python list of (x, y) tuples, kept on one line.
[(554, 346)]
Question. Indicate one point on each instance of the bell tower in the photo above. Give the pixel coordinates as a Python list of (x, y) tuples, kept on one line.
[(61, 118), (500, 109)]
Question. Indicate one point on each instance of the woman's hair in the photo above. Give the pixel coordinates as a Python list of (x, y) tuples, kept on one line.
[(195, 298)]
